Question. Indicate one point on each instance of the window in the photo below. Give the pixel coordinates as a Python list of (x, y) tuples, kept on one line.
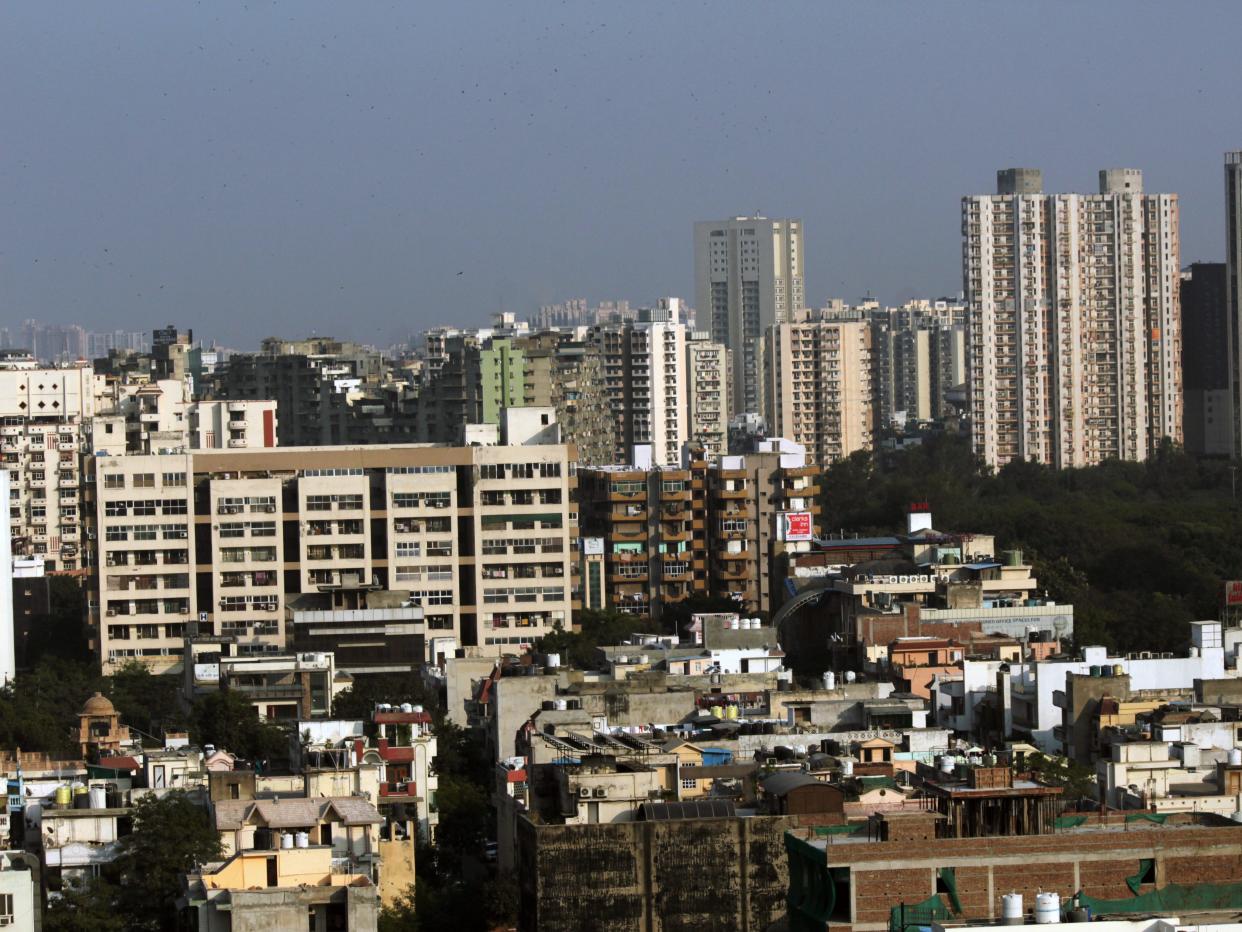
[(115, 481), (144, 480), (174, 479)]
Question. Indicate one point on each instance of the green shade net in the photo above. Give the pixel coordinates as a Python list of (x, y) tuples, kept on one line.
[(1145, 866), (1070, 821), (1157, 817), (949, 879), (822, 830), (905, 916), (1175, 898)]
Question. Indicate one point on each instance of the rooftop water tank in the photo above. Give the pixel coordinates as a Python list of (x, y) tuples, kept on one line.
[(286, 840), (64, 795), (302, 840), (99, 797), (850, 676), (553, 661), (1011, 909), (1047, 908), (1235, 757), (830, 680), (407, 707), (948, 763), (847, 767)]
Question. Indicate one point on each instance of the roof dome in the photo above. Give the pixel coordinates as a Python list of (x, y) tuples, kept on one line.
[(98, 704)]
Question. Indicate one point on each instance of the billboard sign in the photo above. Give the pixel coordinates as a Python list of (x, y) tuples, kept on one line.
[(796, 526), (1233, 592)]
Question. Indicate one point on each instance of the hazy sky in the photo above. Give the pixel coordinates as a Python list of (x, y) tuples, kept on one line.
[(368, 169)]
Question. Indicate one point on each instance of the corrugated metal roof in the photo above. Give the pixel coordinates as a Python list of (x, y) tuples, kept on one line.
[(691, 809)]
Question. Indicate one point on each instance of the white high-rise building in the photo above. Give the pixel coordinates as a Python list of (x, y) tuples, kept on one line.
[(748, 277), (644, 364), (1233, 289), (1074, 333)]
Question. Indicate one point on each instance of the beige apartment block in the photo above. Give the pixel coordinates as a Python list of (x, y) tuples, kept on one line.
[(1074, 335), (478, 537), (820, 393), (44, 418)]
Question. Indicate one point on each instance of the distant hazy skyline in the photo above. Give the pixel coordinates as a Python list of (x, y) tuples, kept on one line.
[(371, 169)]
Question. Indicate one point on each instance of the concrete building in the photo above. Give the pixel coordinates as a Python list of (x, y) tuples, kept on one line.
[(1075, 322), (708, 374), (748, 275), (1205, 359), (819, 390), (1233, 290), (478, 537), (281, 890), (918, 353), (720, 528), (8, 629), (326, 392), (44, 418), (21, 896), (566, 373), (645, 375)]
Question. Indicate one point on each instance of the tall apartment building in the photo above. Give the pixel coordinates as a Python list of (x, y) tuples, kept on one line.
[(918, 353), (44, 419), (708, 372), (721, 528), (1233, 292), (748, 276), (1074, 339), (477, 377), (1205, 359), (820, 391), (326, 392), (478, 537), (645, 376)]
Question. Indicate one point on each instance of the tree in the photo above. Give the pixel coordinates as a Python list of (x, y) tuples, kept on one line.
[(88, 906), (172, 835), (1077, 780), (147, 702), (227, 720), (359, 700)]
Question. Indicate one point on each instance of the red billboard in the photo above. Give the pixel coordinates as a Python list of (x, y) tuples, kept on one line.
[(1233, 592), (796, 525)]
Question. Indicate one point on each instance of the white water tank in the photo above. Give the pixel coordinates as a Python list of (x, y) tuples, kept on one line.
[(561, 704), (302, 840), (735, 624), (830, 680), (847, 767), (98, 797), (286, 840), (1011, 909), (553, 661), (1047, 908), (1235, 757), (948, 763), (407, 707), (850, 676), (418, 709)]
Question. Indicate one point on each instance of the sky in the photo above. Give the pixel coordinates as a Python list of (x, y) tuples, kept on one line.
[(369, 169)]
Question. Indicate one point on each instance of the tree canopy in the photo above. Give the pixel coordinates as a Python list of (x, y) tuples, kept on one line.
[(1140, 549)]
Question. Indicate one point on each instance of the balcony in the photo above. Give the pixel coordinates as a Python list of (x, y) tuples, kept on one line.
[(67, 482), (149, 417), (624, 534), (10, 431), (237, 425), (237, 407), (622, 579), (67, 446), (633, 513), (237, 443), (730, 555)]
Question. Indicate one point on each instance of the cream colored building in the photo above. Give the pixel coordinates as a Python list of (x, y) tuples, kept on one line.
[(707, 393), (44, 418), (479, 537), (748, 277), (820, 392), (1074, 335), (645, 375)]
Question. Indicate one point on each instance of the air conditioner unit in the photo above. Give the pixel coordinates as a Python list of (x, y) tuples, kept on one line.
[(584, 792), (112, 613), (601, 792)]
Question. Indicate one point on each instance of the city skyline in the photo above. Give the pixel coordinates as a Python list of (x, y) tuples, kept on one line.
[(327, 167)]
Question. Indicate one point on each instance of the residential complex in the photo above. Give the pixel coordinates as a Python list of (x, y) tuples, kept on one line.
[(724, 528), (820, 391), (218, 542), (918, 356), (1233, 289), (1205, 359), (748, 275), (1074, 336)]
